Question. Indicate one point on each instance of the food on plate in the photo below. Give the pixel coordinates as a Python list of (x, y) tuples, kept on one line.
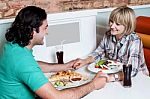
[(106, 64), (64, 78), (59, 83), (102, 64)]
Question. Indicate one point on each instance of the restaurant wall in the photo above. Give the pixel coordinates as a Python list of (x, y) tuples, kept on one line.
[(103, 16), (89, 20), (9, 8), (3, 28), (82, 47)]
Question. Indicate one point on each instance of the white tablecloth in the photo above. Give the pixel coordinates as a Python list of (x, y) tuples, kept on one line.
[(114, 90)]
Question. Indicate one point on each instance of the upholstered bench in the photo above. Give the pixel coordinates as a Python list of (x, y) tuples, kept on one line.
[(143, 30)]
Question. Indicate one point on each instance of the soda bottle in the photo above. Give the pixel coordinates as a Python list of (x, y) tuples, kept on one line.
[(127, 69)]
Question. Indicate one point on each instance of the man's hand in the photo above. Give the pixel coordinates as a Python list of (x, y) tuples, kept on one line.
[(70, 65), (100, 80), (82, 62), (79, 63)]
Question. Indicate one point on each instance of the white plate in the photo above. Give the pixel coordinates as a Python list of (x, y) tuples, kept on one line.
[(116, 68), (74, 84), (87, 79)]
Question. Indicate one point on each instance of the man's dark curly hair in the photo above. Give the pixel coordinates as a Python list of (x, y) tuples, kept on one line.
[(28, 19)]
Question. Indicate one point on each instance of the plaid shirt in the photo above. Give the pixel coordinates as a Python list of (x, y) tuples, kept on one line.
[(128, 50)]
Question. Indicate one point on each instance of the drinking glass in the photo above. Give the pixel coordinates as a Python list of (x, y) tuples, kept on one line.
[(127, 69), (59, 54)]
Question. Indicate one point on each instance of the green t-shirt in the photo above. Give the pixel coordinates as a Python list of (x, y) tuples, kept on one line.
[(20, 74)]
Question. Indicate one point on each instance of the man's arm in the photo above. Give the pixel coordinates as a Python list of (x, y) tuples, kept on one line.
[(54, 67), (47, 91), (82, 62), (48, 67)]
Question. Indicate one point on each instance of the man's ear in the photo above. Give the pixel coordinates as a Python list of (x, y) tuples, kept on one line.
[(34, 31)]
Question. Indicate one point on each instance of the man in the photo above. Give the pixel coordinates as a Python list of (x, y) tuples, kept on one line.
[(21, 76)]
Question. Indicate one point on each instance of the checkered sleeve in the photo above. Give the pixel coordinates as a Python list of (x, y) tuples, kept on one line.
[(99, 53), (136, 58)]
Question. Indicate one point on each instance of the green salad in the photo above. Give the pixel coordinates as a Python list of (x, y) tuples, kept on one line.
[(101, 63)]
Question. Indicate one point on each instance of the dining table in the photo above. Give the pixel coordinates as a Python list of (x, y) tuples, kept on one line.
[(140, 88)]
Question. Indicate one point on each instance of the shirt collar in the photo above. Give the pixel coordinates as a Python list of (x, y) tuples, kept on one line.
[(123, 40)]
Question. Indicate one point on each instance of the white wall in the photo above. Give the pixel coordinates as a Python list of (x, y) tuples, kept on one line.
[(87, 21), (103, 16), (3, 28)]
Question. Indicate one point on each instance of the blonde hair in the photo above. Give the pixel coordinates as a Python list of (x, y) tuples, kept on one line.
[(125, 16)]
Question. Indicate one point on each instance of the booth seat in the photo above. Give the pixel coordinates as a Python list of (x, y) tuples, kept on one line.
[(143, 30)]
